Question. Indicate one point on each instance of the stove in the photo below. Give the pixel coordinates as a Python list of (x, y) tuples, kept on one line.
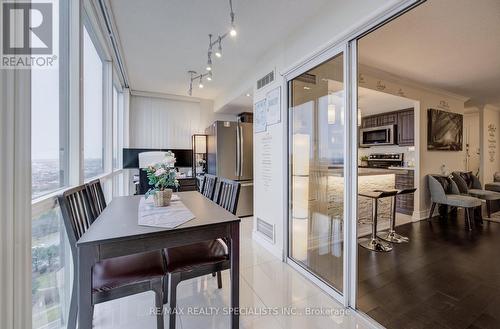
[(385, 160)]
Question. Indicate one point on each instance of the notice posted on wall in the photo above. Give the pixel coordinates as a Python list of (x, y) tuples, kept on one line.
[(260, 116), (273, 106), (266, 160)]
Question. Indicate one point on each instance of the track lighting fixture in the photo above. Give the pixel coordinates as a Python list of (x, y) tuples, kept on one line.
[(209, 62), (218, 53), (191, 78), (232, 32)]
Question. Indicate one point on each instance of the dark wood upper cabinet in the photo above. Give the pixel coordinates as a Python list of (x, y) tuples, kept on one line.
[(406, 127), (387, 119), (369, 122), (404, 119), (380, 120)]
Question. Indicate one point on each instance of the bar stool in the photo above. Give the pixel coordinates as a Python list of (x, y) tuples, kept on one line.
[(373, 242), (391, 235)]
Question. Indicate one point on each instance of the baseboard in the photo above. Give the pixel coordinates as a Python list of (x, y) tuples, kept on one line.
[(268, 245), (420, 215)]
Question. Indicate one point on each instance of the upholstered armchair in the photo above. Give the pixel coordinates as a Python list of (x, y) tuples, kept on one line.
[(445, 191)]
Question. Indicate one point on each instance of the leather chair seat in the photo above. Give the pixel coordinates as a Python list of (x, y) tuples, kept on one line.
[(120, 271), (184, 258)]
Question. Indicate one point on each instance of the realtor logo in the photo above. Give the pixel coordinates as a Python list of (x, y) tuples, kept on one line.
[(27, 34)]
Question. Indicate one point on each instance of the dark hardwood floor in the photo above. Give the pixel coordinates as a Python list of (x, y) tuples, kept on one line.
[(446, 277)]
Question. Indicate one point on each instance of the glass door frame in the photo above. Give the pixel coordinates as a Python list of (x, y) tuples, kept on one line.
[(348, 47), (341, 49)]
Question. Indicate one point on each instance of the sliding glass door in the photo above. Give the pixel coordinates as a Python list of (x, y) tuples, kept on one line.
[(317, 111)]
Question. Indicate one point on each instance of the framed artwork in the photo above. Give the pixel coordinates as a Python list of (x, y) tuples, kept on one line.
[(444, 130)]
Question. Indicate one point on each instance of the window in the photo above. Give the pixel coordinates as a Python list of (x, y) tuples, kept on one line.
[(51, 271), (50, 252), (94, 116), (117, 128), (52, 264), (49, 137)]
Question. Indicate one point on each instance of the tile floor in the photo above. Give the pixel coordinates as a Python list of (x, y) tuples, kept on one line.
[(266, 285)]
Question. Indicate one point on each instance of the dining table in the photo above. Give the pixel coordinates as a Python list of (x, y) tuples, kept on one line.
[(116, 232)]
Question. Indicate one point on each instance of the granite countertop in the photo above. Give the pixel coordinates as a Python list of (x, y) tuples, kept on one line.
[(402, 168), (376, 171)]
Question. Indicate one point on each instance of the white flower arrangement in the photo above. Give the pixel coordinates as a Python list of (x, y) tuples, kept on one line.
[(162, 175)]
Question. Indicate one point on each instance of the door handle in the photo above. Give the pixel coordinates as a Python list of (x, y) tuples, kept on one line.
[(241, 150), (238, 151)]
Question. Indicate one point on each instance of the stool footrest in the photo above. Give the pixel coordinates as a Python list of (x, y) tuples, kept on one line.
[(393, 237), (375, 244)]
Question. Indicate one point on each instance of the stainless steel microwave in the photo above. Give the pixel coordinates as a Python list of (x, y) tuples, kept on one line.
[(383, 135)]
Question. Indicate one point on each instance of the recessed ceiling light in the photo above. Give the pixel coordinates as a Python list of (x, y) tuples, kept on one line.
[(248, 95), (307, 88)]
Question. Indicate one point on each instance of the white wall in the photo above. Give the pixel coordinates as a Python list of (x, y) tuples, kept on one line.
[(472, 134), (157, 122), (269, 182), (490, 141)]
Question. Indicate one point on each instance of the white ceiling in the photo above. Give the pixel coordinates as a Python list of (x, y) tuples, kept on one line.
[(242, 103), (448, 44), (374, 102), (163, 39)]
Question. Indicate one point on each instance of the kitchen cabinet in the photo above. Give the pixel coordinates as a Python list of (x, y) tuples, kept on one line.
[(379, 120), (387, 119), (406, 127), (369, 122), (403, 119), (404, 203)]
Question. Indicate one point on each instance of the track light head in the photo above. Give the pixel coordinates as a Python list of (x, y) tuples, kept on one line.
[(209, 62), (209, 76), (233, 32), (218, 52)]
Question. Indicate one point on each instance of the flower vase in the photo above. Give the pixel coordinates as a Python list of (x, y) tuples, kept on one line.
[(162, 198)]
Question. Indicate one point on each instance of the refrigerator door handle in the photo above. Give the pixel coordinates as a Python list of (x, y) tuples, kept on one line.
[(238, 151), (241, 150)]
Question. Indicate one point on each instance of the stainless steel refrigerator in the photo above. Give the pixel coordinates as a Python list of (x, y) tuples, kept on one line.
[(230, 155)]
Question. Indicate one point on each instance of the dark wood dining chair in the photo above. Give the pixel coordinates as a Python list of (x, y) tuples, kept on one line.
[(208, 186), (96, 197), (209, 257), (227, 194), (111, 278)]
